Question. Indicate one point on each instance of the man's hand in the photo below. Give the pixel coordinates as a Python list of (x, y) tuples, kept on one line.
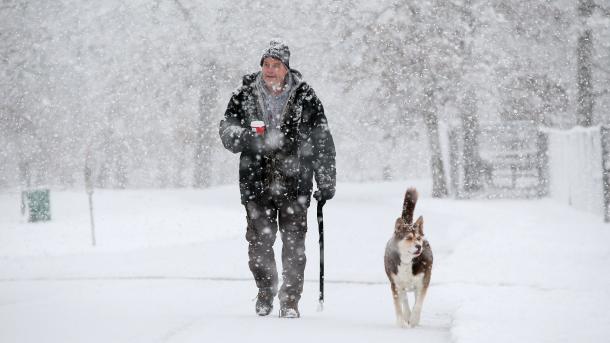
[(322, 195)]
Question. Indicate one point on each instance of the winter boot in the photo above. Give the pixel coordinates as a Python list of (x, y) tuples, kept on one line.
[(289, 310), (264, 302)]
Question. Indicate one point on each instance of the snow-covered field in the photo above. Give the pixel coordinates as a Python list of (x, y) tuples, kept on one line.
[(171, 266)]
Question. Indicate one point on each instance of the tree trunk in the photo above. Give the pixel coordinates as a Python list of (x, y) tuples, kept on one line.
[(439, 183), (584, 52), (203, 146), (120, 170), (470, 128)]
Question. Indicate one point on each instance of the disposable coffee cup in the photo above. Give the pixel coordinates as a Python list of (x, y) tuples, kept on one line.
[(258, 126)]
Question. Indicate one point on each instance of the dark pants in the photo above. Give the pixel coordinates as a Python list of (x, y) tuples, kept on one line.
[(263, 218)]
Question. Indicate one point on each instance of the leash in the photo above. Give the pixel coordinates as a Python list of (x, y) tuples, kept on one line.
[(321, 241)]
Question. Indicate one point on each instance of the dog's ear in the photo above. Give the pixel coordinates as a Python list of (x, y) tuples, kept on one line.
[(419, 225)]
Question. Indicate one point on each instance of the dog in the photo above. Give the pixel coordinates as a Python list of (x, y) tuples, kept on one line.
[(408, 263)]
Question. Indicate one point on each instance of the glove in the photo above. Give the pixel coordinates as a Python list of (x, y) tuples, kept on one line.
[(322, 195)]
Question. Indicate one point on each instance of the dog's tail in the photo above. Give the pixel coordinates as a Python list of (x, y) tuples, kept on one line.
[(409, 205)]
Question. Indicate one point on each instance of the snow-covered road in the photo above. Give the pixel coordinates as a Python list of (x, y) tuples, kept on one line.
[(171, 266), (178, 310)]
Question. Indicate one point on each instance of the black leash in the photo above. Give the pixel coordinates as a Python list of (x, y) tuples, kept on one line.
[(321, 241)]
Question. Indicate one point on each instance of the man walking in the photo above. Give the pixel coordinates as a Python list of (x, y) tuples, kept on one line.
[(277, 123)]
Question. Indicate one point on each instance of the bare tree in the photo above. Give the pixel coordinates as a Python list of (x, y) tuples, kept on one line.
[(439, 181)]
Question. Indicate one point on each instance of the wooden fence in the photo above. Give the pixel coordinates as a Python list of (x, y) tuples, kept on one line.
[(516, 159)]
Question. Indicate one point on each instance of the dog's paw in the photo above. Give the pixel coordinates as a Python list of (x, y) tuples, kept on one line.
[(401, 322), (414, 320)]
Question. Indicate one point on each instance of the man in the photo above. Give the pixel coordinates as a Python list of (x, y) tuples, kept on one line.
[(277, 165)]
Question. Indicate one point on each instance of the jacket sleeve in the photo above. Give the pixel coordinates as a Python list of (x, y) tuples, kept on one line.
[(232, 133), (323, 149)]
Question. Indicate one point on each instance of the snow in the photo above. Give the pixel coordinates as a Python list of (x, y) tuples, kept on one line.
[(134, 92), (171, 266)]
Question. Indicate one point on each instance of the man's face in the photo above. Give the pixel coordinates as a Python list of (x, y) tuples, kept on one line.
[(274, 72)]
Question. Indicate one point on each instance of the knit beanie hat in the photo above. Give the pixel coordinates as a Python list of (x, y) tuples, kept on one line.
[(277, 50)]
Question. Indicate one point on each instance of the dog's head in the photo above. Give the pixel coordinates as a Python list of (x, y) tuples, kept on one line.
[(410, 236)]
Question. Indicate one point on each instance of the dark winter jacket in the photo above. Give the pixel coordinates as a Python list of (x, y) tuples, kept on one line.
[(283, 168)]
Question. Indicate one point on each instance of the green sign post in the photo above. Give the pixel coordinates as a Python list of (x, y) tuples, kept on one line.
[(38, 204)]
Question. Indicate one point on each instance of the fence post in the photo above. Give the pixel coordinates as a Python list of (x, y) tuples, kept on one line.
[(542, 164), (605, 143)]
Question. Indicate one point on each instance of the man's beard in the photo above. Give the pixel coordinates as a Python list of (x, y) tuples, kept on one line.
[(275, 86)]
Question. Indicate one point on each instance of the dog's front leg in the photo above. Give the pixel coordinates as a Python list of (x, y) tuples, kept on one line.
[(420, 294), (406, 309), (398, 297)]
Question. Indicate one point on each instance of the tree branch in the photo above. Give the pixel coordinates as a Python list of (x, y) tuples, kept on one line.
[(604, 10), (187, 17)]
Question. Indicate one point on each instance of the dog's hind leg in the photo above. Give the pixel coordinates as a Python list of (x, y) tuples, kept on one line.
[(420, 294), (398, 297)]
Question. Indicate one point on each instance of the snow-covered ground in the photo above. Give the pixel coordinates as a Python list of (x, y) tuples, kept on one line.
[(171, 266)]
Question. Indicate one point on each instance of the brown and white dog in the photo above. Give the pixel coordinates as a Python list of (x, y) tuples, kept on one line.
[(408, 263)]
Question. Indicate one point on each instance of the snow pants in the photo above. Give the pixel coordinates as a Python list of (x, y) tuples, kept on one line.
[(263, 218)]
